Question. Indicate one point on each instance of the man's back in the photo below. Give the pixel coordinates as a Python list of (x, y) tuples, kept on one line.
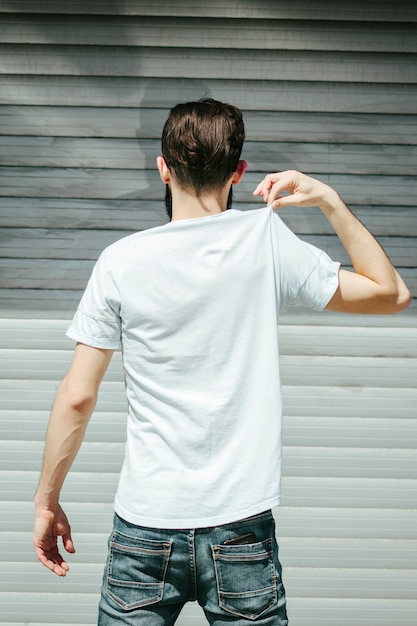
[(198, 304)]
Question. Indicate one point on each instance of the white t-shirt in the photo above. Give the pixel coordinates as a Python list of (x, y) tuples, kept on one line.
[(195, 304)]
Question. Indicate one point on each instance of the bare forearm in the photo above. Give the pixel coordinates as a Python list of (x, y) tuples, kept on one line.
[(367, 256), (67, 425), (374, 286)]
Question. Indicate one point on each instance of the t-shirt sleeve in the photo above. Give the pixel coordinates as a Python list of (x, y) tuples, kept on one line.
[(305, 275), (97, 319)]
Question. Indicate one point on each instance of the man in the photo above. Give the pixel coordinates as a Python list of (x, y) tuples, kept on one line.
[(195, 304)]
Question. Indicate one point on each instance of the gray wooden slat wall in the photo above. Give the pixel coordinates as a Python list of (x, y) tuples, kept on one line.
[(328, 88)]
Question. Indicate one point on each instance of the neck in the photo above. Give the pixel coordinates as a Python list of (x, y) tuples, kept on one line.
[(187, 205)]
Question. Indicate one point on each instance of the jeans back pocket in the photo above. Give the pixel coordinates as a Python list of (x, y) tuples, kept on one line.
[(246, 578), (136, 570)]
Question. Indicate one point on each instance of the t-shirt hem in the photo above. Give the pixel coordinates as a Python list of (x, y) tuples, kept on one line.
[(94, 342), (331, 289), (194, 522)]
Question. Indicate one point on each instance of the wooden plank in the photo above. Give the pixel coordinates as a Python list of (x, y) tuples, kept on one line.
[(56, 244), (271, 126), (80, 244), (141, 154), (382, 221), (318, 96), (21, 301), (85, 213), (278, 65), (121, 184), (135, 215), (53, 302), (356, 10), (208, 32), (44, 274)]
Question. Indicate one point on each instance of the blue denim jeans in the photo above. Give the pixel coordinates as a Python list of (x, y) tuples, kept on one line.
[(151, 573)]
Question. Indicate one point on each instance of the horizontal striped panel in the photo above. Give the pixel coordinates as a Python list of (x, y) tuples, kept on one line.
[(345, 611), (37, 301), (308, 371), (350, 553), (131, 215), (100, 487), (389, 524), (208, 33), (112, 395), (380, 220), (264, 95), (347, 341), (41, 302), (298, 400), (149, 62), (298, 461), (380, 402), (344, 583), (49, 334), (143, 123), (391, 432), (295, 551), (352, 432), (324, 582), (146, 185), (135, 215), (314, 612), (261, 156), (356, 10), (46, 607), (87, 245)]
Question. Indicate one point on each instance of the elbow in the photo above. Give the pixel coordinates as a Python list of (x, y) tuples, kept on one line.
[(79, 398), (403, 298), (397, 300)]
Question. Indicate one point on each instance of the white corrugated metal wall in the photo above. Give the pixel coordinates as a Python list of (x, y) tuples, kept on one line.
[(330, 90)]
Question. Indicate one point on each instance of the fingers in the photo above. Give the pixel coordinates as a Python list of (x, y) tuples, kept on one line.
[(274, 185), (291, 188), (52, 560), (49, 526)]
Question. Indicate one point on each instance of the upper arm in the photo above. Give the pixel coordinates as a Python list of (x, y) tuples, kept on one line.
[(359, 294), (87, 369)]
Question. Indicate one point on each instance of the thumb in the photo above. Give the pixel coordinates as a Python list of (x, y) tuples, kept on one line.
[(68, 543), (295, 199)]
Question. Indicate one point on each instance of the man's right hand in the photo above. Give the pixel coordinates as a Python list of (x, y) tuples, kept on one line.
[(51, 523)]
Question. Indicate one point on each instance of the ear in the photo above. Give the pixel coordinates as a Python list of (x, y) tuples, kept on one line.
[(164, 171), (240, 170)]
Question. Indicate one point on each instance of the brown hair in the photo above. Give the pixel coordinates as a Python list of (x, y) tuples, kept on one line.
[(202, 142)]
